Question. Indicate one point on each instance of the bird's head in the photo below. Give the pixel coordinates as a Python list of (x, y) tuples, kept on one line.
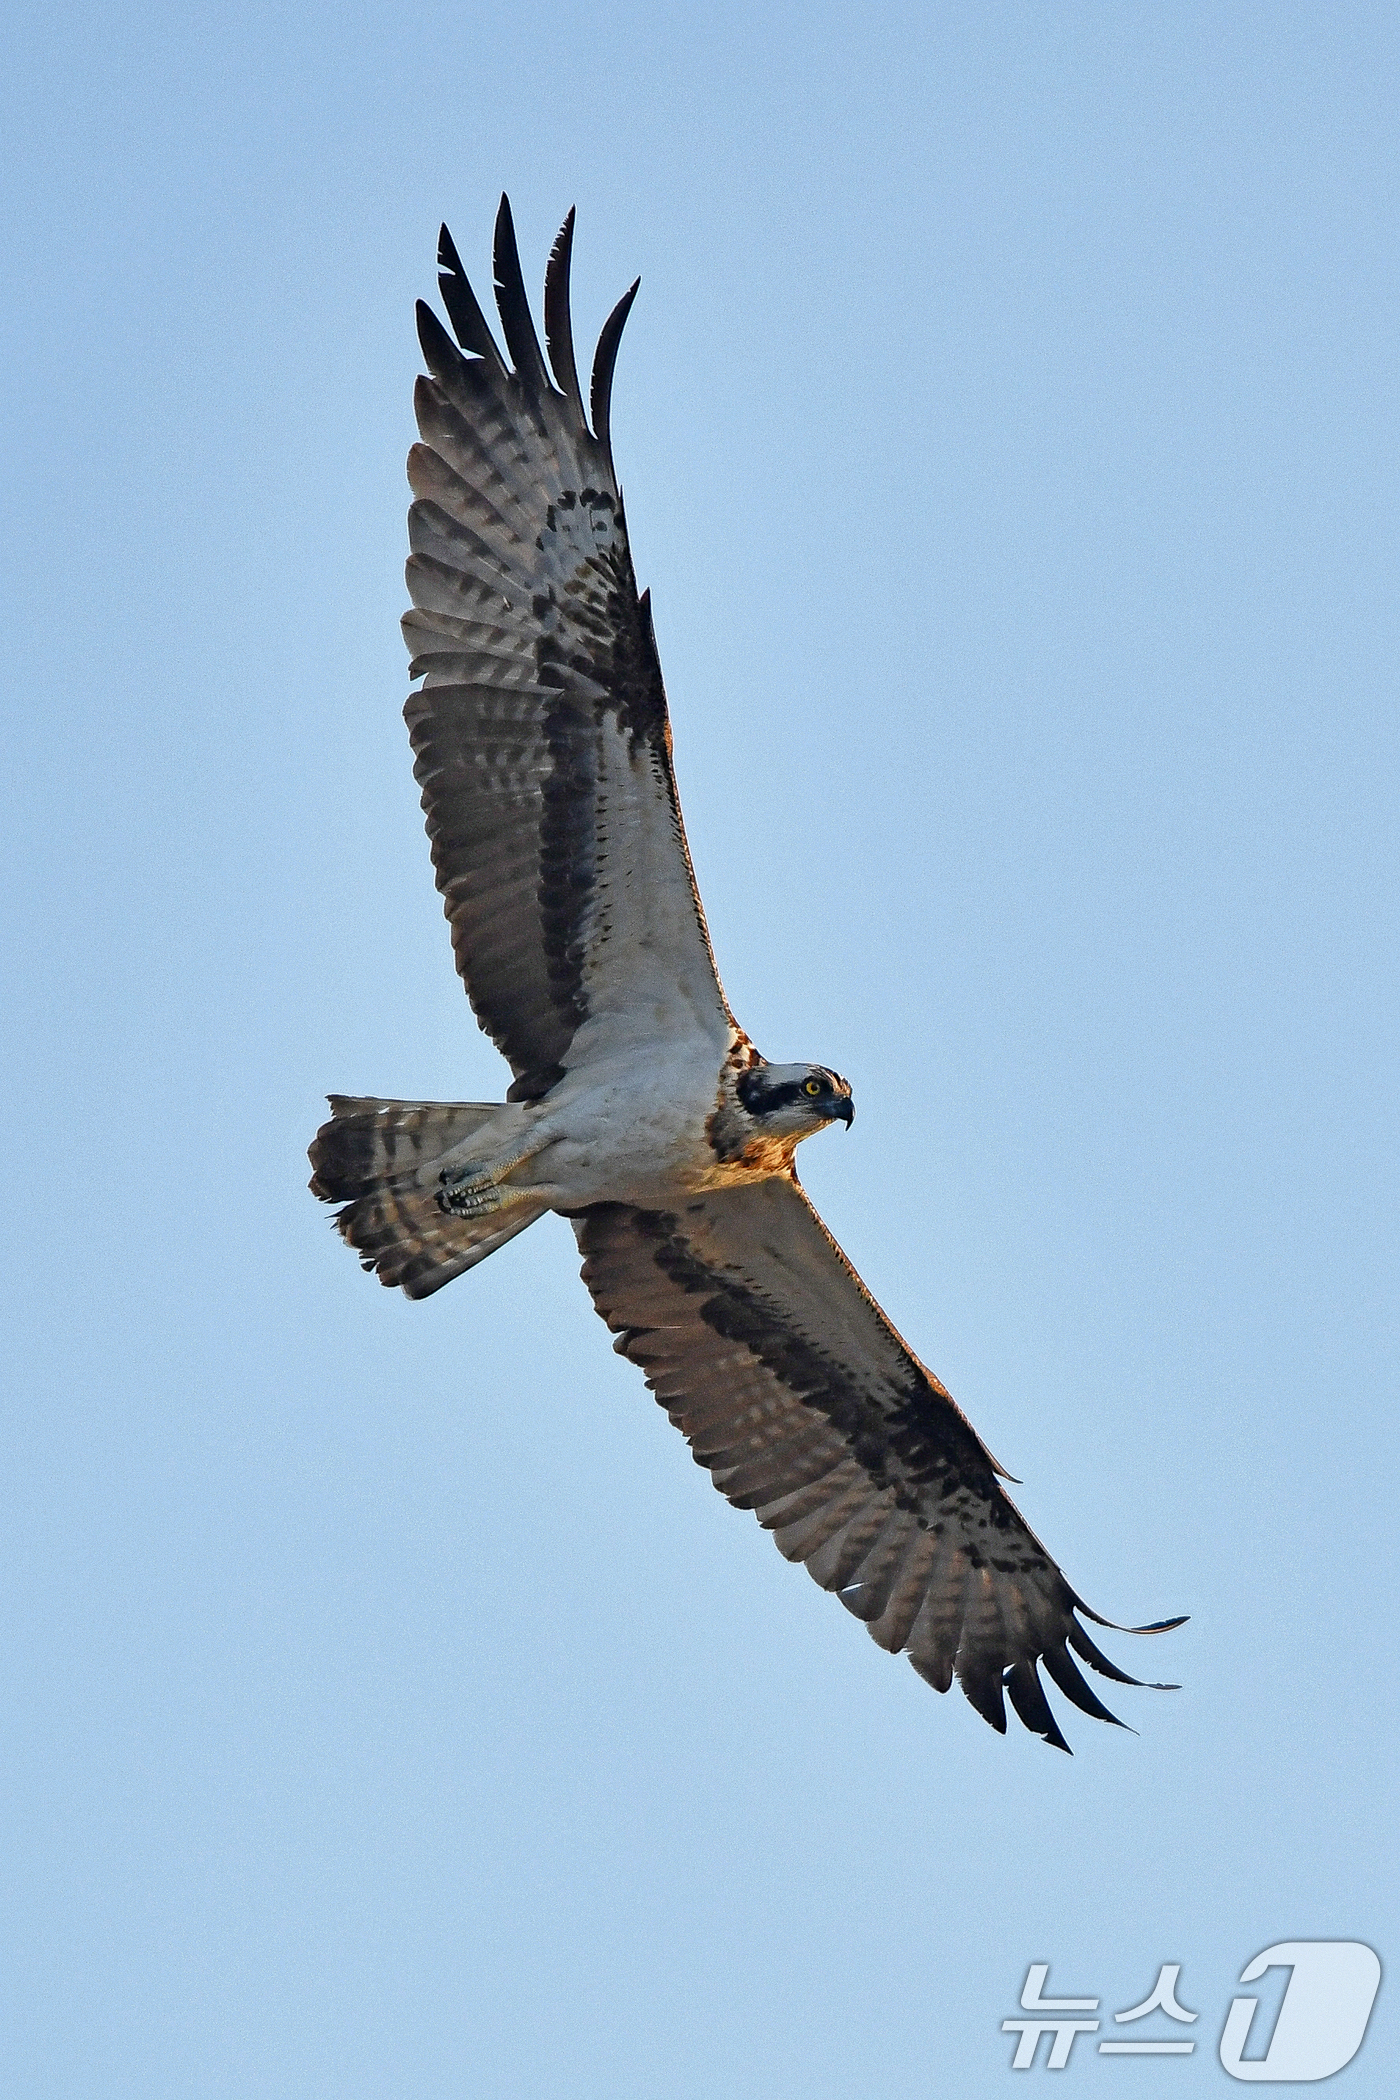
[(791, 1101)]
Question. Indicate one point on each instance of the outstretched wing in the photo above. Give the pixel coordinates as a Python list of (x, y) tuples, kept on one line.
[(791, 1386), (540, 730)]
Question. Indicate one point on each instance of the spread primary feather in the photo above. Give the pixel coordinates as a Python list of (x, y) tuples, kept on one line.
[(638, 1107)]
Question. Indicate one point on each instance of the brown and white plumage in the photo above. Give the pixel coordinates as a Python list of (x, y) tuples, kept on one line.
[(638, 1107), (540, 731), (806, 1406)]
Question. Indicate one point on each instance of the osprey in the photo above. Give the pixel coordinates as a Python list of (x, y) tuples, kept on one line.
[(639, 1109)]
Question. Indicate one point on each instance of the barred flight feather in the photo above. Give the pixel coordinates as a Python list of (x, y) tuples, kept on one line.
[(542, 749)]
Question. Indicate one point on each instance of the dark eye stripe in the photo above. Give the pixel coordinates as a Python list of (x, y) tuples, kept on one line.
[(762, 1098)]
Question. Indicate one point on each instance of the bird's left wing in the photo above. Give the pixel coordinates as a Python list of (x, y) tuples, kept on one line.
[(791, 1386)]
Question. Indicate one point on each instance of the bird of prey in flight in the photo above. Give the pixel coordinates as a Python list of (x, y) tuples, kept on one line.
[(640, 1109)]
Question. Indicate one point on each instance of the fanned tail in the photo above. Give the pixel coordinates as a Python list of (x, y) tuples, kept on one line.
[(381, 1160)]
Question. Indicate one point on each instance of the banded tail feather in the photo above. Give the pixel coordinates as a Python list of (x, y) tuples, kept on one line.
[(542, 747), (381, 1161)]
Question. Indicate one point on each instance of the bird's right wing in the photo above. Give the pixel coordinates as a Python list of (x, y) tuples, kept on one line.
[(540, 731), (791, 1386)]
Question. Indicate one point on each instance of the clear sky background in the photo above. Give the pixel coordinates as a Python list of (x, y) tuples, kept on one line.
[(1008, 423)]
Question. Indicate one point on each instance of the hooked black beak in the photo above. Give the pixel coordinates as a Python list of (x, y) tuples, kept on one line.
[(845, 1110)]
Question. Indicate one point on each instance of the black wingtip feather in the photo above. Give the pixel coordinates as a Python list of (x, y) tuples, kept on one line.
[(463, 310), (1097, 1660), (558, 322), (981, 1680), (514, 305), (1063, 1673), (605, 357), (440, 354), (1027, 1695), (1157, 1625)]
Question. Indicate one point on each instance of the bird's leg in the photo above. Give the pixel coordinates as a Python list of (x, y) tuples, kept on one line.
[(472, 1191)]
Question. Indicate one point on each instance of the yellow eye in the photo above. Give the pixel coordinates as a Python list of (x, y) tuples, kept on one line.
[(812, 1086)]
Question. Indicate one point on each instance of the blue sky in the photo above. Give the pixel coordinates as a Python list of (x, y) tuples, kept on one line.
[(1008, 424)]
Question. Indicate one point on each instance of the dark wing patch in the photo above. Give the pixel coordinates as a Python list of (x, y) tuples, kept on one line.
[(535, 649), (795, 1392)]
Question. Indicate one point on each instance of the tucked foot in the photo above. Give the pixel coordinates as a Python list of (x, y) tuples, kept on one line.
[(473, 1193)]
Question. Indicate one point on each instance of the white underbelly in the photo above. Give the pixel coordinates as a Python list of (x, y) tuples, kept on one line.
[(630, 1130)]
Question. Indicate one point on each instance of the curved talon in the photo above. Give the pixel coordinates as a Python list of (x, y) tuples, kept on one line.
[(471, 1191), (470, 1195), (466, 1177)]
